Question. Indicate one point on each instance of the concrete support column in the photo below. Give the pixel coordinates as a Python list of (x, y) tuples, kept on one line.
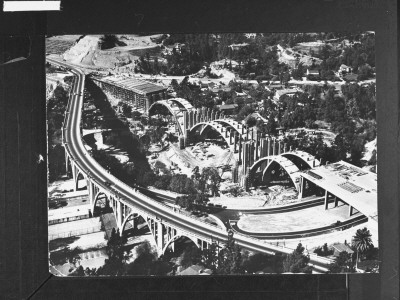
[(251, 154), (256, 154), (185, 121), (265, 145), (91, 192), (240, 151), (235, 141), (336, 201), (302, 187), (326, 200), (269, 147), (75, 176), (160, 236), (245, 150), (274, 147), (66, 162), (119, 214), (200, 243)]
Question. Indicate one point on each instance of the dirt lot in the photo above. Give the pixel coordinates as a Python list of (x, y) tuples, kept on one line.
[(202, 155)]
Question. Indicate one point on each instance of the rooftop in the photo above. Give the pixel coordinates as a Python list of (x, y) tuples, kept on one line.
[(280, 93), (351, 77), (342, 247), (195, 270), (227, 106), (353, 185), (133, 84)]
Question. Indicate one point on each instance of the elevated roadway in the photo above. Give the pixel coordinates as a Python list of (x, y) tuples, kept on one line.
[(127, 196)]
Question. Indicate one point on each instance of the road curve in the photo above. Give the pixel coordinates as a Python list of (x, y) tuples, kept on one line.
[(74, 146)]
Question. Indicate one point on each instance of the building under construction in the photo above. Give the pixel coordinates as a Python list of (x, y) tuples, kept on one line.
[(142, 94)]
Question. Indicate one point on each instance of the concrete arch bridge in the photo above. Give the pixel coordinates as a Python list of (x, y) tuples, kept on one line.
[(165, 223), (292, 162)]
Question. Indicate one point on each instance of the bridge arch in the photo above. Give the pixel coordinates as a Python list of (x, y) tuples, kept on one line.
[(159, 105), (213, 125), (136, 215), (175, 238), (79, 176), (291, 169), (100, 200), (302, 159), (166, 106), (234, 125), (183, 103)]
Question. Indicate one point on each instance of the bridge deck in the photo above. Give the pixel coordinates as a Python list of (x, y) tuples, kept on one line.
[(353, 185)]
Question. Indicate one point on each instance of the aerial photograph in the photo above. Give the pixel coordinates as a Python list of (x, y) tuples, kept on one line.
[(179, 154)]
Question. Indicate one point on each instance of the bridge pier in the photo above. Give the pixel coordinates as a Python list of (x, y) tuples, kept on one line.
[(351, 210), (66, 162), (326, 199), (74, 175), (302, 186)]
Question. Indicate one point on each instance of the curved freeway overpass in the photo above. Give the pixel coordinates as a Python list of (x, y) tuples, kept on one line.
[(165, 222)]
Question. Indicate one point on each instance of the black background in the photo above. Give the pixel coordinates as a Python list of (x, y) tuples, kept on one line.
[(23, 192)]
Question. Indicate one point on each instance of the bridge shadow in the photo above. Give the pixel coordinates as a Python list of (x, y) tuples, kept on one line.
[(126, 139), (62, 242)]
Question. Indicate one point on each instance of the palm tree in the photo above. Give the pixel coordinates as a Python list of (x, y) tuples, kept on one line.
[(362, 241)]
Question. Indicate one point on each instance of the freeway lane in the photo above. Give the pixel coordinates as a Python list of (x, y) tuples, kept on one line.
[(78, 153)]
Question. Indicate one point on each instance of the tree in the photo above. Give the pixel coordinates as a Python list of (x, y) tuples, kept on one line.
[(342, 264), (362, 241), (163, 182), (136, 115), (297, 262), (160, 166), (116, 255), (251, 121), (209, 257), (185, 202), (145, 262), (110, 41), (147, 179), (209, 181), (230, 259), (190, 256), (126, 109)]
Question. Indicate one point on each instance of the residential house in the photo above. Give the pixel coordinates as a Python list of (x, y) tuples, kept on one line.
[(339, 248), (312, 72), (344, 69), (351, 77), (228, 109), (280, 93), (195, 270)]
